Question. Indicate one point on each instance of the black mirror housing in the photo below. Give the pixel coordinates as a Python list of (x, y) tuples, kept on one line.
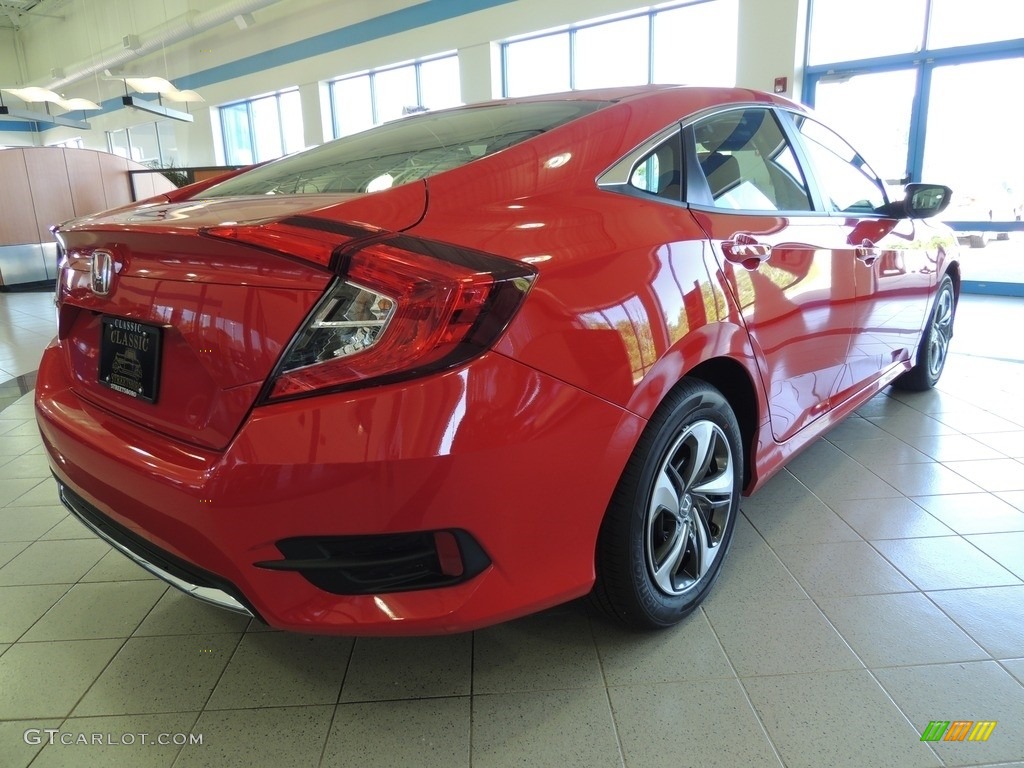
[(925, 200)]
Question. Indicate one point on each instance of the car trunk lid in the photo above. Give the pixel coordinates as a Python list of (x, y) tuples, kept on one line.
[(176, 330)]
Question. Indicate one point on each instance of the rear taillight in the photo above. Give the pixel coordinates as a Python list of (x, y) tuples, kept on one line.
[(400, 307)]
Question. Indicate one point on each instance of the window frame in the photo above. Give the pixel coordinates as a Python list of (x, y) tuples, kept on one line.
[(248, 103), (371, 74), (571, 30)]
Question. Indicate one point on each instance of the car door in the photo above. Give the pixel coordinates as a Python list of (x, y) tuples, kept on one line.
[(893, 271), (747, 190)]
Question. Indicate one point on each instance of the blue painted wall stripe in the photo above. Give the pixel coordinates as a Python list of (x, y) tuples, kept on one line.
[(403, 20)]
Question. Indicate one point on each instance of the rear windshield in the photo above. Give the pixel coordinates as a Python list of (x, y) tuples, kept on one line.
[(405, 150)]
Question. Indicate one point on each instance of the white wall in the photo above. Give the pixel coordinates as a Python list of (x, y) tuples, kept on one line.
[(92, 29), (772, 43)]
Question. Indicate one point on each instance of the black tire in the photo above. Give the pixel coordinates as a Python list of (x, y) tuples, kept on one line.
[(934, 347), (670, 521)]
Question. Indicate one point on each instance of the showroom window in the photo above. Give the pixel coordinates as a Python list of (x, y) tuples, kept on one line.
[(263, 128), (75, 143), (938, 71), (361, 101), (151, 144), (692, 42)]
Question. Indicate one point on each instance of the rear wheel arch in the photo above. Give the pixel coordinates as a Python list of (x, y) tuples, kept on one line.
[(737, 387)]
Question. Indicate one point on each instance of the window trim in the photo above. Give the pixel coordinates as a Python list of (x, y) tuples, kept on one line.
[(572, 29), (276, 95), (372, 75)]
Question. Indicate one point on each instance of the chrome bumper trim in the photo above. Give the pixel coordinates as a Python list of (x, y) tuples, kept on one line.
[(210, 595)]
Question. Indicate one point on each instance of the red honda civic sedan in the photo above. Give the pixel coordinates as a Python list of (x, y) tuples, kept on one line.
[(473, 363)]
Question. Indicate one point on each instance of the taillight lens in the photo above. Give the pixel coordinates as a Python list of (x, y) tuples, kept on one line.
[(401, 308)]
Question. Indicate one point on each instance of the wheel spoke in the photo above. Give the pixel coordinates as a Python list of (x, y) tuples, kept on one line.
[(664, 570), (700, 439), (665, 497)]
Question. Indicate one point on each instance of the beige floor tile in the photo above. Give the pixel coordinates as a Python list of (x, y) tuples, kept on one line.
[(754, 573), (855, 428), (10, 550), (836, 719), (887, 450), (975, 422), (427, 733), (993, 617), (91, 611), (1007, 549), (991, 474), (279, 669), (832, 569), (179, 614), (409, 668), (68, 528), (22, 740), (52, 562), (159, 674), (899, 630), (980, 690), (1013, 498), (41, 680), (11, 490), (973, 512), (780, 638), (124, 740), (115, 566), (29, 523), (707, 723), (23, 606), (19, 445), (833, 476), (687, 651), (946, 562), (44, 494), (1015, 667), (25, 466), (1007, 443), (897, 518), (925, 479), (289, 737), (912, 425), (544, 728), (537, 653), (805, 521), (953, 447)]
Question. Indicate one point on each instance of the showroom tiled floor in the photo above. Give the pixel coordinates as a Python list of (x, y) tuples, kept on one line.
[(874, 586)]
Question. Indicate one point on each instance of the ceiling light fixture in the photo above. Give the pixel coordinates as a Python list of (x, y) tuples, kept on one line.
[(164, 89), (35, 95)]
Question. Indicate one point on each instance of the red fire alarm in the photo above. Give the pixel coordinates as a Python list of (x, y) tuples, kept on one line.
[(781, 84)]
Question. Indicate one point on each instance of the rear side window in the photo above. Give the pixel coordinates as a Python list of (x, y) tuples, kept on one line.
[(847, 182), (405, 150), (660, 172), (748, 163)]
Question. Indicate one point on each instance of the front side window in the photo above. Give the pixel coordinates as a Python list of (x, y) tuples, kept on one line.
[(846, 181), (748, 163)]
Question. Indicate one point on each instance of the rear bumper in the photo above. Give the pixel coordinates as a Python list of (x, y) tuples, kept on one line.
[(179, 574), (522, 463)]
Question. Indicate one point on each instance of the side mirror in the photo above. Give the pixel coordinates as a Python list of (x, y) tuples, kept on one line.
[(925, 200)]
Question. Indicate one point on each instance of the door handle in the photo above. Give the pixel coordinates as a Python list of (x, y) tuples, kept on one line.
[(867, 252), (746, 251)]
